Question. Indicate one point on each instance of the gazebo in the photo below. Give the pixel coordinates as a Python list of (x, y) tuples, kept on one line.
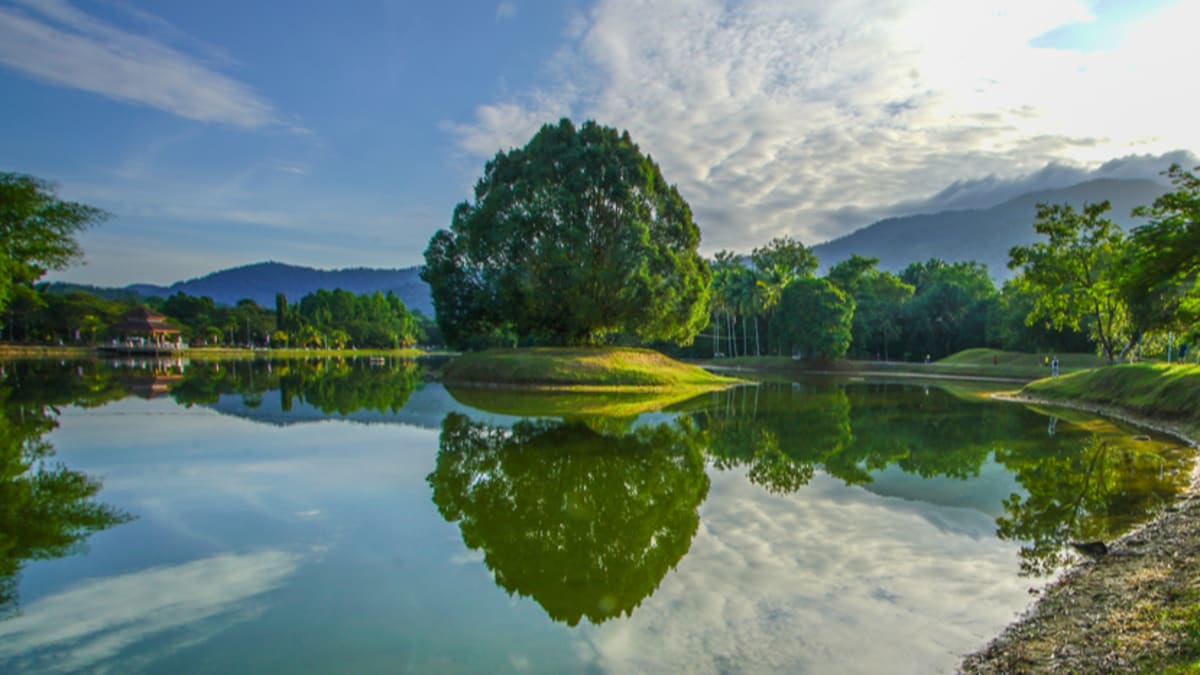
[(144, 330)]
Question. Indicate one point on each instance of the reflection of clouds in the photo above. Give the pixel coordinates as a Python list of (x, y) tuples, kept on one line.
[(829, 579), (85, 626)]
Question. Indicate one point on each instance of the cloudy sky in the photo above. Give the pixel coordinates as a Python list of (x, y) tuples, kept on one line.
[(342, 134)]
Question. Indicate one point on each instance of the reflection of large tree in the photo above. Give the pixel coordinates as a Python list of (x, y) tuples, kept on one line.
[(46, 509), (585, 523)]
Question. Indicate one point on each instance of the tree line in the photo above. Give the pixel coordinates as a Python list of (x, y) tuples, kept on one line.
[(44, 314), (577, 239)]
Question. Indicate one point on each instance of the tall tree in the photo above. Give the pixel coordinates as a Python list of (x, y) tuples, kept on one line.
[(571, 239), (949, 308), (779, 263), (1076, 274), (879, 300), (1162, 284), (815, 319), (37, 231)]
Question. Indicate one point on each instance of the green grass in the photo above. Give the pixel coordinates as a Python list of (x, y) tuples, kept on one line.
[(603, 367), (1169, 391)]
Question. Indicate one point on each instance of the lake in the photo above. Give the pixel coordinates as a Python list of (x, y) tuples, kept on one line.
[(348, 516)]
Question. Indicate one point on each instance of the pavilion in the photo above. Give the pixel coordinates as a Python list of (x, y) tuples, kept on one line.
[(143, 330)]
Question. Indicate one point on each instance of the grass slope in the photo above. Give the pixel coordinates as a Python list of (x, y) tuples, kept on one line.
[(1167, 391), (605, 367)]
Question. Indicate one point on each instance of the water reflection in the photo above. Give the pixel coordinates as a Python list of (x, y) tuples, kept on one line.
[(340, 386), (47, 510), (586, 522), (1087, 481)]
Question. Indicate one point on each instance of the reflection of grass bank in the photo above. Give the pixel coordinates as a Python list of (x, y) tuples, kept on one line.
[(973, 363), (534, 403), (566, 368)]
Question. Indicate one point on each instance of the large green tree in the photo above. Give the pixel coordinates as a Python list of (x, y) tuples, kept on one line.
[(1162, 284), (879, 301), (571, 239), (815, 319), (949, 308), (1077, 274), (37, 232)]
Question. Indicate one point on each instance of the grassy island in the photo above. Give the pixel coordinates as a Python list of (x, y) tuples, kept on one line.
[(579, 368)]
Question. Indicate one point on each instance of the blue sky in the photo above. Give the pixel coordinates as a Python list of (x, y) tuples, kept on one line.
[(342, 134)]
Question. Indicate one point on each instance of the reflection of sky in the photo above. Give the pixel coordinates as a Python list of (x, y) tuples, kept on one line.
[(315, 547), (90, 624), (829, 579)]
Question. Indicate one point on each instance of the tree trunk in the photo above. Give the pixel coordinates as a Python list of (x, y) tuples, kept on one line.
[(757, 348)]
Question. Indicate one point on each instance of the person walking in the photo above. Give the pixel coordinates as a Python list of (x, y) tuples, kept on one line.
[(1054, 366)]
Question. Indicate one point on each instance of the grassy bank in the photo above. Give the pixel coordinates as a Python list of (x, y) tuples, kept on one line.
[(596, 368), (1169, 392)]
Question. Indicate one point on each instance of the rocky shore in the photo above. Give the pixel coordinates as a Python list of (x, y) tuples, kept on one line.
[(1134, 609)]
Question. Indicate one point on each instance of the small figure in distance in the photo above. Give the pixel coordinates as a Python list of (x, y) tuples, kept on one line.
[(1054, 366), (927, 358)]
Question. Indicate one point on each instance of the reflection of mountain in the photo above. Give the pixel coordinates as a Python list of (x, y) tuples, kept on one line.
[(584, 523), (426, 407), (46, 509)]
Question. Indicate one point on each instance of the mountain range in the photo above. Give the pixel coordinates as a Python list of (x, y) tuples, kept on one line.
[(261, 281), (984, 235)]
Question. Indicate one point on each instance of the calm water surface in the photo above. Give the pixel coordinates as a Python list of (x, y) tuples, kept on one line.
[(345, 517)]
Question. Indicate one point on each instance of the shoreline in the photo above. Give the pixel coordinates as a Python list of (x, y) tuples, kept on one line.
[(1119, 613)]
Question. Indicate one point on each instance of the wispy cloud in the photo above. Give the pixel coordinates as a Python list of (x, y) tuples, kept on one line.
[(778, 116), (53, 41), (94, 623), (507, 9)]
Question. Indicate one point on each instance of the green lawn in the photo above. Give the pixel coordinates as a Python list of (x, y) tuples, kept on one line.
[(1170, 391), (601, 367)]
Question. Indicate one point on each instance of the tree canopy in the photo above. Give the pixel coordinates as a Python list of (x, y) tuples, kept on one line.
[(1075, 272), (1162, 281), (572, 239), (37, 231)]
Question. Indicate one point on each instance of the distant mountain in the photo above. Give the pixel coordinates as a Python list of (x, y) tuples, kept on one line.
[(984, 235), (261, 281)]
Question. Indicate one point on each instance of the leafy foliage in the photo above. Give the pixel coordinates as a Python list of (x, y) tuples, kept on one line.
[(815, 319), (1166, 257), (570, 240), (1075, 273), (37, 231)]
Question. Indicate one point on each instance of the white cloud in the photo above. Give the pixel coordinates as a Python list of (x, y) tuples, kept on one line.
[(783, 117), (88, 626), (51, 40), (507, 9)]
